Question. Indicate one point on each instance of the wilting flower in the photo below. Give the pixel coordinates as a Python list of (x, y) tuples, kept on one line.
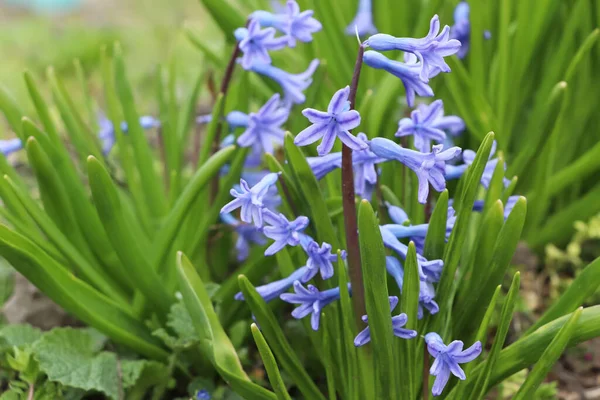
[(426, 289), (282, 231), (398, 322), (336, 122), (264, 127), (430, 167), (428, 123), (320, 258), (272, 290), (408, 74), (247, 235), (311, 301), (106, 133), (363, 21), (429, 270), (295, 25), (256, 43), (447, 359), (292, 85), (9, 146), (250, 199), (430, 50)]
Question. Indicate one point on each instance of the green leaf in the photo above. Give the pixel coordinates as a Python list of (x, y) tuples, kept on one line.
[(459, 233), (41, 108), (133, 370), (409, 304), (11, 111), (544, 364), (270, 364), (77, 297), (153, 190), (228, 17), (17, 335), (213, 340), (309, 189), (508, 308), (435, 241), (67, 356), (280, 345), (108, 204), (578, 291), (372, 254)]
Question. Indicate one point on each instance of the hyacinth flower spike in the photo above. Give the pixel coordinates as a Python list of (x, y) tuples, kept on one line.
[(398, 322), (461, 30), (336, 122), (430, 167), (247, 234), (293, 23), (264, 127), (320, 258), (282, 231), (430, 50), (250, 199), (447, 359), (363, 21), (426, 289), (274, 289), (255, 44), (409, 74), (427, 123), (293, 85), (311, 301)]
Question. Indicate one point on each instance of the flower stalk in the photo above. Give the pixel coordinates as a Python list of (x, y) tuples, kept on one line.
[(348, 200)]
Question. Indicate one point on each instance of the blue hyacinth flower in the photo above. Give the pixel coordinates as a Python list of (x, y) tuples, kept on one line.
[(429, 167), (457, 171), (426, 289), (320, 258), (398, 322), (106, 131), (282, 231), (429, 270), (293, 85), (363, 21), (461, 30), (247, 235), (10, 146), (447, 359), (427, 123), (409, 74), (429, 50), (255, 44), (274, 289), (263, 128), (250, 199), (336, 122), (203, 395), (293, 23), (311, 301)]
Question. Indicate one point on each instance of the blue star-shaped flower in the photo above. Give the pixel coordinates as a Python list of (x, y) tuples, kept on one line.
[(398, 322), (293, 85), (428, 123), (247, 235), (255, 44), (429, 167), (430, 50), (282, 231), (447, 359), (250, 199), (311, 301), (263, 129), (336, 122), (363, 21), (272, 290)]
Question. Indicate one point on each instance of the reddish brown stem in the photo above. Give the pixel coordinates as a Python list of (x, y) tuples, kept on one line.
[(348, 199)]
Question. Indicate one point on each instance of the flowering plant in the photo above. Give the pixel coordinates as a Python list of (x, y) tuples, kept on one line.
[(389, 245)]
